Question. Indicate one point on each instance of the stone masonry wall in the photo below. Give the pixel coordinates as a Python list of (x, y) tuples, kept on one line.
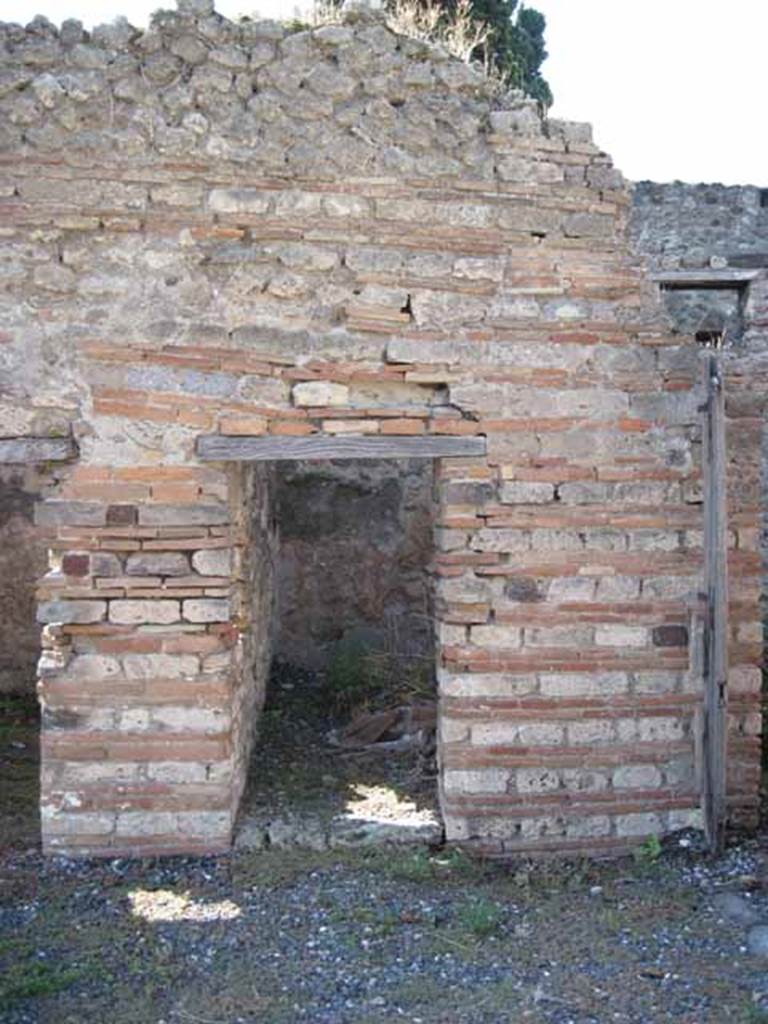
[(219, 228), (683, 225)]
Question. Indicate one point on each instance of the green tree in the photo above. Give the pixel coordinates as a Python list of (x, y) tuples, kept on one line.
[(516, 41)]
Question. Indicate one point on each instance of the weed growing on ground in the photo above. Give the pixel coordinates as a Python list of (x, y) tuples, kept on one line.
[(349, 683), (754, 1015), (481, 917), (26, 980), (649, 851)]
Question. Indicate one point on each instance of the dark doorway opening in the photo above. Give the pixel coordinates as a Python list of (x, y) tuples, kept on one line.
[(345, 751)]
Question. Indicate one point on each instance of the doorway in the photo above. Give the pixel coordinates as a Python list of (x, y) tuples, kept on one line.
[(345, 751)]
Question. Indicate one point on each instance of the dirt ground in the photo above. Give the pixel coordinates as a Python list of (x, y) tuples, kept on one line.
[(307, 785), (372, 935)]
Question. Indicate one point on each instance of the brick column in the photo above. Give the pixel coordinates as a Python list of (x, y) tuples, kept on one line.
[(144, 651)]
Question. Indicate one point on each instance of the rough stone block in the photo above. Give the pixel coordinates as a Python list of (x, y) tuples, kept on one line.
[(594, 730), (540, 734), (90, 667), (213, 561), (105, 564), (488, 780), (160, 563), (621, 636), (537, 780), (658, 729), (70, 513), (490, 539), (183, 515), (583, 684), (122, 515), (676, 636), (238, 200), (346, 206), (496, 636), (71, 611), (643, 824), (586, 828), (636, 776), (73, 564), (160, 666), (520, 492)]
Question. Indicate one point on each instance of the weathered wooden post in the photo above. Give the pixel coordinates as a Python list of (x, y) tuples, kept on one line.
[(716, 615)]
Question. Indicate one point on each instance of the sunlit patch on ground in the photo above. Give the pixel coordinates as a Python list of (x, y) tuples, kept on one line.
[(383, 803), (165, 905)]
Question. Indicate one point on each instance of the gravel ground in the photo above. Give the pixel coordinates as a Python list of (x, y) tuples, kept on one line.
[(373, 936)]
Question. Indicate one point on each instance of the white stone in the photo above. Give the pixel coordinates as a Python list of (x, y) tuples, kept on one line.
[(213, 561), (637, 776), (159, 612), (487, 780), (621, 636), (71, 611), (643, 824), (207, 609), (595, 730), (238, 200), (160, 666), (320, 393), (523, 492), (496, 636)]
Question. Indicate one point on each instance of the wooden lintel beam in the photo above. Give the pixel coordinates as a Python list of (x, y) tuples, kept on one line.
[(36, 449), (704, 278), (219, 448)]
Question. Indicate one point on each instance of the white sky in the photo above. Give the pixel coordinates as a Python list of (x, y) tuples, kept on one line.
[(674, 88)]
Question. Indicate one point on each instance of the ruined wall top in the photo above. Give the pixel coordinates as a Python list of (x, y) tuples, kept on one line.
[(352, 97)]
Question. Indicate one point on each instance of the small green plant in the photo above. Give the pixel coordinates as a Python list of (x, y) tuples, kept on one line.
[(649, 851), (480, 916), (349, 683), (755, 1015), (27, 980), (413, 866)]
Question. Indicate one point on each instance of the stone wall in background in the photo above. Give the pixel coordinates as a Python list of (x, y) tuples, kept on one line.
[(679, 226), (684, 225), (719, 229), (356, 540)]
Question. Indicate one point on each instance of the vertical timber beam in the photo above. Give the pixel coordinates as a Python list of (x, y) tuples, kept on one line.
[(716, 589)]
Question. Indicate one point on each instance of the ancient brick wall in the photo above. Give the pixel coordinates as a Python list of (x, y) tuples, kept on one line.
[(671, 226), (227, 229), (722, 231)]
